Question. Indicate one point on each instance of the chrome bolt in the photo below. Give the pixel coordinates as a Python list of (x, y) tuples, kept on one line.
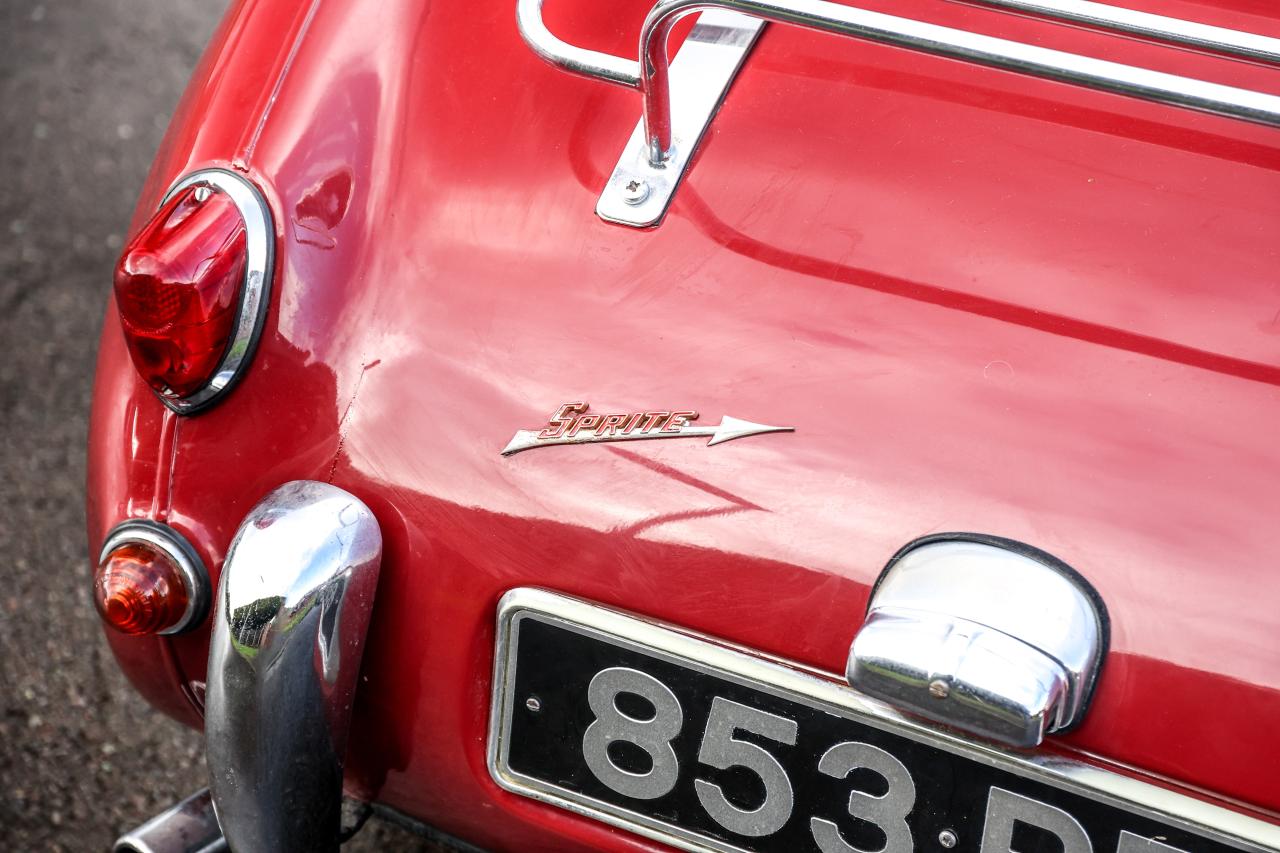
[(947, 838), (635, 191), (939, 689), (202, 194), (533, 703)]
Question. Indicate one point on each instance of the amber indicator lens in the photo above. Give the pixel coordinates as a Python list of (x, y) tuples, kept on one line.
[(139, 590), (178, 288)]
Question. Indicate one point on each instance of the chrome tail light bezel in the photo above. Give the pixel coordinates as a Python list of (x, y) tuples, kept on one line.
[(195, 577), (255, 290)]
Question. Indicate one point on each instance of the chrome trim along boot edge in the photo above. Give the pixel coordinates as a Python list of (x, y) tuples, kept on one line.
[(291, 614)]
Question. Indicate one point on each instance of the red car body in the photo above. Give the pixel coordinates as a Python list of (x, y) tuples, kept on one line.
[(984, 301)]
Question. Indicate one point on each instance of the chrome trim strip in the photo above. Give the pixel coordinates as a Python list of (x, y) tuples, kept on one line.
[(255, 294), (195, 577), (1146, 25), (292, 611), (825, 691)]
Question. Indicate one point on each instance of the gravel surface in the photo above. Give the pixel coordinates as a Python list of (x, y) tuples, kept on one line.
[(86, 89)]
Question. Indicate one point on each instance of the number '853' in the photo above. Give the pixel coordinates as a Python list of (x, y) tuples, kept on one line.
[(721, 749)]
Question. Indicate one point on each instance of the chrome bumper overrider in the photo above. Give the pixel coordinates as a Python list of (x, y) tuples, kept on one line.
[(290, 619)]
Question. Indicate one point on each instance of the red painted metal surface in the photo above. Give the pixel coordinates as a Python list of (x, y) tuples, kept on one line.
[(985, 302)]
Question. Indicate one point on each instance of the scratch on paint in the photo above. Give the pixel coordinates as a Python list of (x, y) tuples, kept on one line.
[(342, 424)]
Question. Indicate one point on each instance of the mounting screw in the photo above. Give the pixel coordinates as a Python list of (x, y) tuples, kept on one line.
[(202, 194), (533, 703), (635, 191), (947, 838), (939, 689)]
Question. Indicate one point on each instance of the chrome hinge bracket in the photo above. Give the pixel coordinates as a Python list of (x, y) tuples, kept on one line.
[(638, 193)]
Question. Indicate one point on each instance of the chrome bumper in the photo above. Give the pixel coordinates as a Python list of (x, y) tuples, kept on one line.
[(291, 614)]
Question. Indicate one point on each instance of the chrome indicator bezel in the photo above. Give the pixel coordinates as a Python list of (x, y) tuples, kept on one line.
[(821, 690), (195, 577)]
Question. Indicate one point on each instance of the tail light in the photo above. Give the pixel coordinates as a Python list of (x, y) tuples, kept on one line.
[(177, 286), (150, 581), (191, 288)]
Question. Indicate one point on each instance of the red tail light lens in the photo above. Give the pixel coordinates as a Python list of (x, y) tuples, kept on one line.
[(138, 589), (178, 288)]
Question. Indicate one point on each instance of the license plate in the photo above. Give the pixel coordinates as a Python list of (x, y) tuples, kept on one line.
[(707, 747)]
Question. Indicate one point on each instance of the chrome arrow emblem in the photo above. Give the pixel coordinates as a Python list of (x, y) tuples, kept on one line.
[(572, 425)]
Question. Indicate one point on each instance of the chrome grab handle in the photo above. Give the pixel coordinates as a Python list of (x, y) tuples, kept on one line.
[(575, 60), (1145, 24), (942, 41), (652, 75)]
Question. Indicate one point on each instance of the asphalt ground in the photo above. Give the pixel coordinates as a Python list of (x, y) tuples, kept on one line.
[(86, 90)]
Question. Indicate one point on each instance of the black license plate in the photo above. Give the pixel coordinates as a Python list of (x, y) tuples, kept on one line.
[(704, 747)]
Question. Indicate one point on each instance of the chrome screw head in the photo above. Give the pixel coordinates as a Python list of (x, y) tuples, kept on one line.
[(635, 190), (533, 703), (202, 194), (947, 838), (939, 689)]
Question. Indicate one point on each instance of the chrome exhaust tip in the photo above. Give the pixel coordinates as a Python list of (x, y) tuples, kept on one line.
[(188, 827)]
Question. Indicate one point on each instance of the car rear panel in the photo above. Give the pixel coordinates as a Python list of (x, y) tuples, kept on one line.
[(985, 303)]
